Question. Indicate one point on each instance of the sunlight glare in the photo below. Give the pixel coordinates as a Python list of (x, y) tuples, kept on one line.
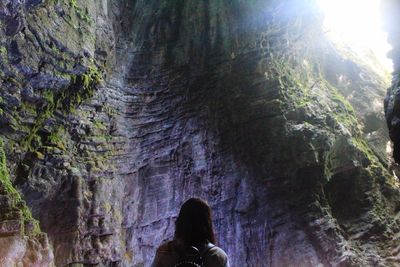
[(358, 24)]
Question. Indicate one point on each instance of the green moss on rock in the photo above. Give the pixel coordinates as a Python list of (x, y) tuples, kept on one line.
[(16, 209), (81, 88), (57, 137), (82, 13)]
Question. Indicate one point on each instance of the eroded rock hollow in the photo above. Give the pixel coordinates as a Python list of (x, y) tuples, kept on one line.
[(113, 113)]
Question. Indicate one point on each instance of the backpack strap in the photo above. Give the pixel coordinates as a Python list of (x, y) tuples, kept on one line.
[(200, 251), (206, 249)]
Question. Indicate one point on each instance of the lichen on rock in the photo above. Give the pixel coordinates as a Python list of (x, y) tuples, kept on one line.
[(21, 240), (115, 112)]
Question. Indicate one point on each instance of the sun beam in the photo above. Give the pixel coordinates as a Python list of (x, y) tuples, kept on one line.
[(357, 24)]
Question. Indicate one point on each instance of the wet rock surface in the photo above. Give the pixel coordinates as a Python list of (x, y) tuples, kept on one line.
[(115, 112), (392, 97)]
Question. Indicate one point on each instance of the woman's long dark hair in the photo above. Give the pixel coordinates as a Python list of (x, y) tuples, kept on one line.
[(194, 225)]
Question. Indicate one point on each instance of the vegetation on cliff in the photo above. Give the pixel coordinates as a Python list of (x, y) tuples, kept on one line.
[(14, 207), (126, 106)]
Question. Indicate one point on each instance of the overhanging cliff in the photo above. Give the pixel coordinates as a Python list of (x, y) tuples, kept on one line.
[(115, 112)]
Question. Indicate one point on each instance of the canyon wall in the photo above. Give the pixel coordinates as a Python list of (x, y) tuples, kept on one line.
[(115, 112), (389, 12)]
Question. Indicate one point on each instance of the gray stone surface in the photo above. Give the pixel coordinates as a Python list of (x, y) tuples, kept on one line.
[(232, 101)]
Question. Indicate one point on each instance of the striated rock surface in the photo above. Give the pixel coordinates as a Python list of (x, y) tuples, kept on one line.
[(115, 112), (390, 9), (21, 241)]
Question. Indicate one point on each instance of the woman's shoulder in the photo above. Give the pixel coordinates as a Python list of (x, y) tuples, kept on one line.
[(218, 251), (217, 257), (172, 247), (167, 247), (166, 255)]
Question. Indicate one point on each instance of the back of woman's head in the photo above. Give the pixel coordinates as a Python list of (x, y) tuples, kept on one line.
[(194, 225)]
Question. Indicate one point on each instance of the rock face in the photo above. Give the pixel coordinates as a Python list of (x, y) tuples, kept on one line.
[(21, 242), (115, 112), (392, 98)]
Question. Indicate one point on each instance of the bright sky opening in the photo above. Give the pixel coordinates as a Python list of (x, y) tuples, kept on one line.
[(357, 24)]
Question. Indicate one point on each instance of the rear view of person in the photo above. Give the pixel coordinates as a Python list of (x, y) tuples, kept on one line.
[(193, 245)]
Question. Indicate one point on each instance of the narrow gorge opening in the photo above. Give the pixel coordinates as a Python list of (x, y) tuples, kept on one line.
[(113, 113), (359, 26), (356, 29)]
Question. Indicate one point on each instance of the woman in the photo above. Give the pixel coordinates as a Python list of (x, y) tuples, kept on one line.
[(194, 239)]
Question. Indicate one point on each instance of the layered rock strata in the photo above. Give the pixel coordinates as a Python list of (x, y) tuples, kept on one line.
[(115, 112), (390, 9)]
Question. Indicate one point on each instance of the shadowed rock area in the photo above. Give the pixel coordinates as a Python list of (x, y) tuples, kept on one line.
[(392, 97), (113, 113)]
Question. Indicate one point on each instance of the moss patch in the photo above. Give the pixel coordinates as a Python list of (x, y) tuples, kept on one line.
[(81, 88), (17, 208), (82, 13)]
